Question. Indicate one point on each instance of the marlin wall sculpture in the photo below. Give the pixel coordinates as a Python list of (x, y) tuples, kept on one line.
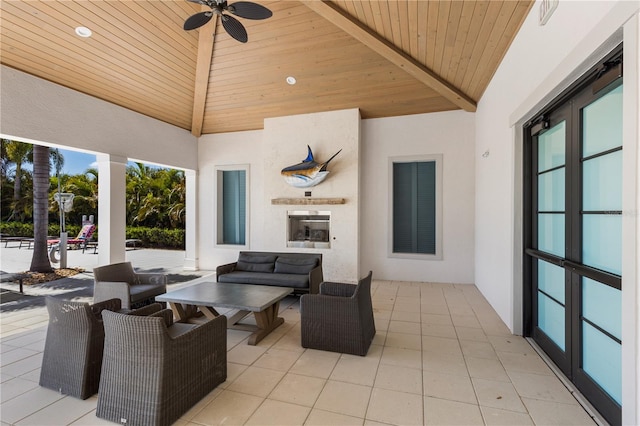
[(307, 173)]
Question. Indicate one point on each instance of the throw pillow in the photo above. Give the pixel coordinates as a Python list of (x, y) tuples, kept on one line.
[(255, 263), (290, 265)]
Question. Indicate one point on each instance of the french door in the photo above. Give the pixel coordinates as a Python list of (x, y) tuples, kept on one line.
[(573, 235)]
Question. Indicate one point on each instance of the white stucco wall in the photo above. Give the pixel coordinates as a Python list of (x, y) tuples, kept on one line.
[(539, 59), (450, 134), (45, 113), (228, 149), (540, 63), (282, 143)]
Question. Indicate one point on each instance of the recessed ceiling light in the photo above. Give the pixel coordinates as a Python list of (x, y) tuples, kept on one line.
[(291, 80), (83, 32)]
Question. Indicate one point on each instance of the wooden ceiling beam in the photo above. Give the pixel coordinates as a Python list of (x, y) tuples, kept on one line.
[(381, 46), (203, 67)]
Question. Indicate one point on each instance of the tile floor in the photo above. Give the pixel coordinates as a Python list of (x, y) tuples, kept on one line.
[(441, 356)]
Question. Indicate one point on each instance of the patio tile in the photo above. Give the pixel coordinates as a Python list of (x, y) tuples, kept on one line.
[(315, 363), (297, 389), (511, 343), (277, 359), (441, 345), (554, 413), (444, 412), (16, 354), (471, 333), (537, 386), (494, 416), (279, 413), (404, 341), (23, 366), (401, 357), (431, 308), (483, 368), (465, 321), (256, 381), (228, 408), (393, 407), (471, 348), (500, 395), (524, 363), (360, 371), (436, 319), (399, 315), (245, 354), (28, 403), (448, 386), (90, 419), (63, 411), (405, 327), (233, 372), (327, 418), (15, 387), (344, 398), (436, 330), (401, 379), (444, 363)]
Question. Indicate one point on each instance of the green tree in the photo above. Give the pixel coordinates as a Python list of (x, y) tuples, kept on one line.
[(18, 153)]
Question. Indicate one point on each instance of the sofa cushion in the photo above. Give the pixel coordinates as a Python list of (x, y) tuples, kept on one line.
[(262, 263), (145, 291), (291, 265), (266, 278)]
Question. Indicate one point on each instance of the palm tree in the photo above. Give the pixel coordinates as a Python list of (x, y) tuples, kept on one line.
[(40, 260), (18, 153)]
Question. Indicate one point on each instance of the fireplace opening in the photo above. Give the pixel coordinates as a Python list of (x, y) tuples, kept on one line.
[(308, 229)]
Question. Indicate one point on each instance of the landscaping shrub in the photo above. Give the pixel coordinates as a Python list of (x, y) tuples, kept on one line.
[(150, 237)]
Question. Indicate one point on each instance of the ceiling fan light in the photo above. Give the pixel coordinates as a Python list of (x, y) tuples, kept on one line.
[(291, 80), (83, 32)]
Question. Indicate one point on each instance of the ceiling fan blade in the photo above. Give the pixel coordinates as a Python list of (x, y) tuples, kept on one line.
[(196, 1), (197, 20), (249, 10), (234, 28)]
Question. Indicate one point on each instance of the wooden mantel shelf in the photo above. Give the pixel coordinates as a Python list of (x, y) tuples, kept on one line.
[(307, 201)]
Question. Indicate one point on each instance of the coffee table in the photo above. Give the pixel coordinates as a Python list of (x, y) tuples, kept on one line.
[(264, 301)]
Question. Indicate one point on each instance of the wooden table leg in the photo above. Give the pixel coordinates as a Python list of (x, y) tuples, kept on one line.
[(267, 320)]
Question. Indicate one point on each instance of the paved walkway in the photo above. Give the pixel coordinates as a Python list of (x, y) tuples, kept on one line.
[(21, 312)]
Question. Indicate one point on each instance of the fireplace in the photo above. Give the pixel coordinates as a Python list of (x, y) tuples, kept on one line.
[(308, 229)]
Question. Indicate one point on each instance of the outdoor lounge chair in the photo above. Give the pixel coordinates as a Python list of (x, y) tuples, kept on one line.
[(155, 370), (85, 234), (120, 281), (339, 318), (72, 357)]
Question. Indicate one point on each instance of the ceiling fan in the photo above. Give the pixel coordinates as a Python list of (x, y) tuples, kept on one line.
[(243, 9)]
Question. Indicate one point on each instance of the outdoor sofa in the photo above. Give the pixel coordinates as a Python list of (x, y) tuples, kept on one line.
[(300, 271)]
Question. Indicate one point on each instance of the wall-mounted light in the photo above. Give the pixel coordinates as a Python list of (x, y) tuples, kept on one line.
[(83, 32)]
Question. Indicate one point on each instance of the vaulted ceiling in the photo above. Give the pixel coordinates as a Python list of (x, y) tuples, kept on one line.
[(387, 58)]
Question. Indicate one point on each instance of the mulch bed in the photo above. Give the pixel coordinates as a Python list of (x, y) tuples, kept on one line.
[(45, 277)]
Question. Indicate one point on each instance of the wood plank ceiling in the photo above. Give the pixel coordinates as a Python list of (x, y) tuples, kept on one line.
[(385, 58)]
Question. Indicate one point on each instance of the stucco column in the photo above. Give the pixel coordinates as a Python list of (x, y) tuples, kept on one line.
[(191, 228), (111, 208)]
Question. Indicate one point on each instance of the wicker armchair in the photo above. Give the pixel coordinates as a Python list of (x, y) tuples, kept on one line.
[(120, 281), (154, 370), (72, 356), (339, 319)]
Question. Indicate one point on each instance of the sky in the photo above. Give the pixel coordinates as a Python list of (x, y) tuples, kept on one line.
[(76, 163)]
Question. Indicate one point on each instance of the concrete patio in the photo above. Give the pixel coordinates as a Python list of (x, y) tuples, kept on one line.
[(441, 355)]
